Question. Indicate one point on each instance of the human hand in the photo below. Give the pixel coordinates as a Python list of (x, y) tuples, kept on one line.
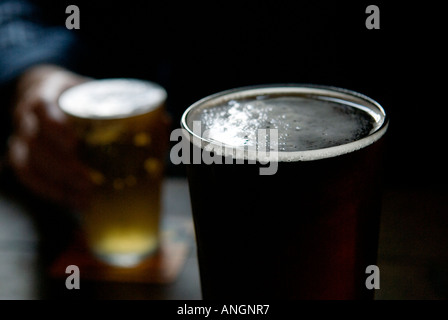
[(42, 147)]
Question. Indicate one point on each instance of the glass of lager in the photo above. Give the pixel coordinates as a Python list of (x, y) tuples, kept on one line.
[(285, 186), (122, 128)]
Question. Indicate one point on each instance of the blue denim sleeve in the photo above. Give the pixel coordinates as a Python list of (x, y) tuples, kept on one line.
[(28, 37)]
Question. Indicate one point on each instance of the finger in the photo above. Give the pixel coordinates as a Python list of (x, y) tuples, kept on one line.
[(27, 125), (35, 158), (55, 127), (58, 166), (44, 182), (35, 120), (37, 184), (42, 101)]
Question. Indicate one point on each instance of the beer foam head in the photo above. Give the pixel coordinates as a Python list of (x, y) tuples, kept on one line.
[(112, 98), (311, 122)]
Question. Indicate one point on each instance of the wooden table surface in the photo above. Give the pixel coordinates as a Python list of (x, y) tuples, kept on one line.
[(413, 254)]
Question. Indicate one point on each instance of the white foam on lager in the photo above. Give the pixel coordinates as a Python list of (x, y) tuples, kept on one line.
[(312, 123), (112, 98)]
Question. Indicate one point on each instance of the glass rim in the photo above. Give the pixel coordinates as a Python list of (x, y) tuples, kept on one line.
[(344, 96)]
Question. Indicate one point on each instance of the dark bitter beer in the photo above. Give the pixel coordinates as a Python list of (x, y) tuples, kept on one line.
[(307, 231)]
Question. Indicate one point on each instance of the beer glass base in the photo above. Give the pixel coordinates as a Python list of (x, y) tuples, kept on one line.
[(124, 260)]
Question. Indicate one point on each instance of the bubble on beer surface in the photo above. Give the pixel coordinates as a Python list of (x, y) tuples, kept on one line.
[(111, 98), (303, 123)]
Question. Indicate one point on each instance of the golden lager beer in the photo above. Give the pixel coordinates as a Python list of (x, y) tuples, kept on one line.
[(123, 131)]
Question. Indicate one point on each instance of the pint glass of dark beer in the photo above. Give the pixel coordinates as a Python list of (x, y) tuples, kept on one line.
[(285, 186), (122, 129)]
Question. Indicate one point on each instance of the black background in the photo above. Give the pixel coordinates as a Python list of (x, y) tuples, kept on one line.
[(195, 49)]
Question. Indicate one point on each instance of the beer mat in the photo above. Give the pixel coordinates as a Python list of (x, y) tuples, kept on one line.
[(162, 267)]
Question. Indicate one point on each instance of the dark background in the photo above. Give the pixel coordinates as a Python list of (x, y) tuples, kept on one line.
[(194, 49)]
